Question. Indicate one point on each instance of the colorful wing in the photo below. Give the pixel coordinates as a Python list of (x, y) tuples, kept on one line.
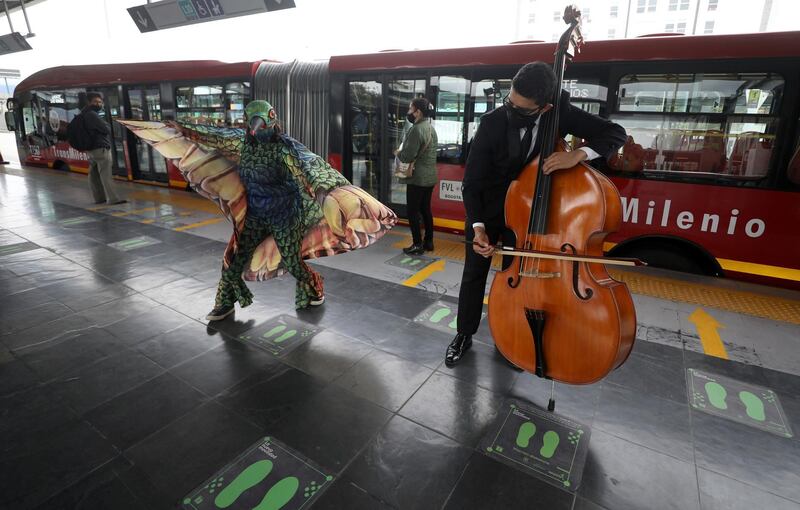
[(209, 170), (352, 218)]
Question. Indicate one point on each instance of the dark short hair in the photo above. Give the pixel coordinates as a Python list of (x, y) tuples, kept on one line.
[(92, 95), (537, 81), (423, 105)]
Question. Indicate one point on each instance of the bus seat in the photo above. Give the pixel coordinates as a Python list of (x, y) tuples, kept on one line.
[(631, 159), (712, 157), (744, 142)]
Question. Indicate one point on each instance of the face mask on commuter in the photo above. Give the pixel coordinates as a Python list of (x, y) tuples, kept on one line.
[(96, 108), (410, 117), (518, 120)]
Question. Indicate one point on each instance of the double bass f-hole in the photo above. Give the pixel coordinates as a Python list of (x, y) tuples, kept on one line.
[(576, 274)]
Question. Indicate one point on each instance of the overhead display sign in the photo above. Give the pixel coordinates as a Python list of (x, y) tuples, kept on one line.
[(178, 13), (12, 43)]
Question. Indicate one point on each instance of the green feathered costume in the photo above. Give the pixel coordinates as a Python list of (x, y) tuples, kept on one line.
[(286, 203)]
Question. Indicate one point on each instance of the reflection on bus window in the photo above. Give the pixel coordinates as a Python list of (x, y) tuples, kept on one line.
[(744, 93), (237, 96), (200, 104), (450, 98), (793, 170), (587, 94), (400, 93), (45, 118), (713, 124), (213, 105), (486, 95), (365, 115)]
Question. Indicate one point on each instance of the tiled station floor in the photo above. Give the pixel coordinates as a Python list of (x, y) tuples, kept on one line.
[(115, 393)]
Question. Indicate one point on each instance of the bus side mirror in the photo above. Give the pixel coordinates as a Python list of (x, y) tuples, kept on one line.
[(11, 121)]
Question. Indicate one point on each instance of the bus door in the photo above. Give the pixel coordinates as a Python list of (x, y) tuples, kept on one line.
[(376, 124), (400, 92), (114, 111), (362, 158), (146, 163)]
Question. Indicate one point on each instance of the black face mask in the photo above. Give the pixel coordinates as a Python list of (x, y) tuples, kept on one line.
[(521, 121), (410, 117), (96, 108)]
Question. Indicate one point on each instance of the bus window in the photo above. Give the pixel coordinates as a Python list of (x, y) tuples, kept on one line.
[(698, 124), (450, 98), (401, 92), (486, 95), (364, 120), (146, 105), (793, 170), (200, 104), (238, 95), (50, 115), (588, 94), (75, 101)]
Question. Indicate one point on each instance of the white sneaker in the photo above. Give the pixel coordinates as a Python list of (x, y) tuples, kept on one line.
[(317, 302)]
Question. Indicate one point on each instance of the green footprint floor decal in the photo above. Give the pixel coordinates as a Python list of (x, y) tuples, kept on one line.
[(286, 336), (526, 432), (251, 476), (716, 395), (753, 405), (439, 314), (550, 443), (453, 323), (279, 494), (274, 331)]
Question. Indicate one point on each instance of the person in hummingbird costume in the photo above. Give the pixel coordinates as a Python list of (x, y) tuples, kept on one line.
[(286, 203)]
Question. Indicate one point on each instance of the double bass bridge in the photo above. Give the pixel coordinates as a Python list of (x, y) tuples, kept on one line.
[(539, 274)]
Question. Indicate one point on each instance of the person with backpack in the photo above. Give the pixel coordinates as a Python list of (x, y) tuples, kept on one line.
[(90, 133)]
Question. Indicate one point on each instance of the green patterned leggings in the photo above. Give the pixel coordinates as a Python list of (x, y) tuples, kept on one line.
[(231, 286)]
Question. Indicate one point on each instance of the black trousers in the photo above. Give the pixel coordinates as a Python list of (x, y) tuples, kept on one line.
[(473, 280), (418, 200)]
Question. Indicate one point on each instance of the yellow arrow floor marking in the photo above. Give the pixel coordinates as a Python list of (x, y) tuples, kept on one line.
[(707, 327), (425, 273)]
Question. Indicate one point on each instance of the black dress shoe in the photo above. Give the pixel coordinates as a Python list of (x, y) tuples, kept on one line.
[(414, 249), (428, 245), (455, 351)]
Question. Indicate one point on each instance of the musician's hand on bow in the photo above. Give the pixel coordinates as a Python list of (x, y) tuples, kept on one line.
[(561, 160), (481, 243)]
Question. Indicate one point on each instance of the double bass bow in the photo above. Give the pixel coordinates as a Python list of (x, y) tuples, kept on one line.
[(554, 310)]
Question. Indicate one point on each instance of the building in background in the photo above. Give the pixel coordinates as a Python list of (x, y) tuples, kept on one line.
[(541, 20)]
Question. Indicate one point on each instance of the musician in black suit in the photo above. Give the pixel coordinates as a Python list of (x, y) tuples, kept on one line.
[(504, 144)]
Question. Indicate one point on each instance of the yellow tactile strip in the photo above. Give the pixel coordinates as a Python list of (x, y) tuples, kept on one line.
[(749, 303)]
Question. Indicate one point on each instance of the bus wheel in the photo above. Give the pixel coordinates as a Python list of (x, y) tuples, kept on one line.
[(60, 165), (672, 254)]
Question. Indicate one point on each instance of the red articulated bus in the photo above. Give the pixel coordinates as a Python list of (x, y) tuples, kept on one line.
[(709, 176)]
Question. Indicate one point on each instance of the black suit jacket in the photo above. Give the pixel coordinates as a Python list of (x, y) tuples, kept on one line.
[(495, 157)]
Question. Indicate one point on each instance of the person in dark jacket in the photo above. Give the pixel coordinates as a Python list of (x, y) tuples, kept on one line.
[(504, 144), (419, 146), (101, 182)]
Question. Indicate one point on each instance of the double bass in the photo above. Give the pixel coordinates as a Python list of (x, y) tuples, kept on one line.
[(554, 310)]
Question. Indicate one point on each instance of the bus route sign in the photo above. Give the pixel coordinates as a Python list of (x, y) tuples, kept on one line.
[(177, 13)]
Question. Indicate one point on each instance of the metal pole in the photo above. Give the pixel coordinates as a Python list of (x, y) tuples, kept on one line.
[(552, 404), (627, 19), (8, 15), (696, 15), (25, 13)]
